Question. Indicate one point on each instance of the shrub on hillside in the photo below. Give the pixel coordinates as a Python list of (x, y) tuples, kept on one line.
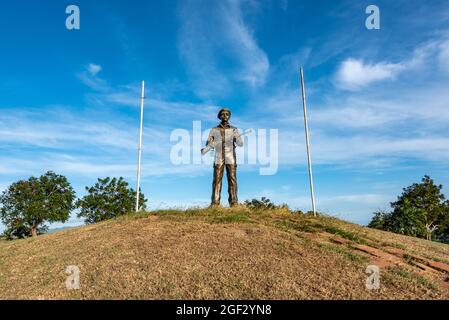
[(107, 199), (263, 204)]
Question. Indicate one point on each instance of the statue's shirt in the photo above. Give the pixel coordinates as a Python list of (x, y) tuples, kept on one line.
[(224, 139)]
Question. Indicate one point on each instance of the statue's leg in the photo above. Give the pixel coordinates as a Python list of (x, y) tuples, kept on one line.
[(231, 172), (216, 185)]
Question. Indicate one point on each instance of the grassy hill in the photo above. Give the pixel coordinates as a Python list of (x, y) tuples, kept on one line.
[(223, 254)]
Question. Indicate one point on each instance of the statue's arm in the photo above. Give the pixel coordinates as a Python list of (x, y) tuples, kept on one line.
[(238, 138), (210, 144), (210, 139)]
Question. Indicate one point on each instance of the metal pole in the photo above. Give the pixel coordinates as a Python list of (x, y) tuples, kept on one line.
[(140, 145), (312, 194)]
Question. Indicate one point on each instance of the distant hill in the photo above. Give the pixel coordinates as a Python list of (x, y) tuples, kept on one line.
[(223, 254), (54, 230)]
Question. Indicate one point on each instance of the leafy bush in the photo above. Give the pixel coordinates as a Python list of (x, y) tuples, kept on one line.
[(262, 204), (107, 199)]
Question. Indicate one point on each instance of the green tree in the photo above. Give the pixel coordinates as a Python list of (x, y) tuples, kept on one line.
[(425, 196), (442, 232), (28, 204), (107, 199), (381, 220), (421, 211), (409, 220)]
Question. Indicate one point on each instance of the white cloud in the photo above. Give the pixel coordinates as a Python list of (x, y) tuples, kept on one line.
[(354, 74), (93, 68)]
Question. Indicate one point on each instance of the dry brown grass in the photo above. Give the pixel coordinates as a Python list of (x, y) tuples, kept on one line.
[(221, 254)]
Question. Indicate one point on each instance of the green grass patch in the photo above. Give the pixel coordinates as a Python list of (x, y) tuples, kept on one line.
[(231, 218), (337, 231), (134, 215), (396, 245), (211, 215), (426, 283), (345, 252), (401, 272), (421, 280), (408, 258), (294, 224)]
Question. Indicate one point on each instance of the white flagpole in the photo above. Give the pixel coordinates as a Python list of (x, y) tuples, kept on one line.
[(140, 145), (309, 159)]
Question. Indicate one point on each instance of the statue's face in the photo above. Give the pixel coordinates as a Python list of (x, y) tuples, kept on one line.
[(225, 116)]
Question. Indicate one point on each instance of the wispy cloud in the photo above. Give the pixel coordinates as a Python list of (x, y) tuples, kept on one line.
[(90, 77), (254, 64), (218, 47), (58, 128), (443, 56)]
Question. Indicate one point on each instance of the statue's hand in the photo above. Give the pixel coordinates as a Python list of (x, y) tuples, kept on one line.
[(205, 150)]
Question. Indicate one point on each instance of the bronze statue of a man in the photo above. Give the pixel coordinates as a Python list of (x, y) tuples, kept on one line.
[(224, 138)]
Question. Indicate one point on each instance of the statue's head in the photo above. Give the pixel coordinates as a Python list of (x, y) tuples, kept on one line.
[(224, 114)]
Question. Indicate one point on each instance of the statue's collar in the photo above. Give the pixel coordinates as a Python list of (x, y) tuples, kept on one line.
[(227, 126)]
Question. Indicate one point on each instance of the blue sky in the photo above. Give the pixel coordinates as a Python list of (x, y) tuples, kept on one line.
[(378, 99)]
